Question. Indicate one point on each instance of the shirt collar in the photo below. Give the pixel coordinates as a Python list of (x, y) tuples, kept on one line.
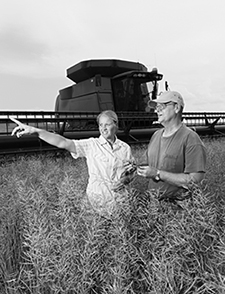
[(103, 141)]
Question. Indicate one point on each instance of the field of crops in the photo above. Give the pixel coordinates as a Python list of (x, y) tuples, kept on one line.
[(50, 244)]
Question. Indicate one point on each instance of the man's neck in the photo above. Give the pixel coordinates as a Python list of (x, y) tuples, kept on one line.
[(170, 129)]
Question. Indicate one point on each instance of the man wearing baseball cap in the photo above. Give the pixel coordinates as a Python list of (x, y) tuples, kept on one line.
[(176, 156), (170, 96)]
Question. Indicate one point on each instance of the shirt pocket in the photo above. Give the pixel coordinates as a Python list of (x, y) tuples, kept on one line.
[(100, 158), (169, 163)]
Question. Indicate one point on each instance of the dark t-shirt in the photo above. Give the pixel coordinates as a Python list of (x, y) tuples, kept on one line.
[(182, 152)]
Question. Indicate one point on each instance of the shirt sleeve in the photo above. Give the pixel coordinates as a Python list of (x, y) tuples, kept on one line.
[(83, 147), (195, 155)]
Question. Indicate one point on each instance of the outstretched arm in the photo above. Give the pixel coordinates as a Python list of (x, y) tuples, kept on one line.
[(51, 138)]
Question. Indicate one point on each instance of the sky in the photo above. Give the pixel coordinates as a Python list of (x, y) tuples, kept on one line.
[(41, 39)]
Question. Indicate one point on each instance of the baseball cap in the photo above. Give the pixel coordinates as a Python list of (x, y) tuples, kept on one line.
[(169, 96)]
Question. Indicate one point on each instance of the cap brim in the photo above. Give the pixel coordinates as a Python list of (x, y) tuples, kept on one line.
[(155, 101)]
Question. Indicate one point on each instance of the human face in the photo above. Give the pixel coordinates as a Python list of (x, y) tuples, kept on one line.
[(107, 128), (165, 112)]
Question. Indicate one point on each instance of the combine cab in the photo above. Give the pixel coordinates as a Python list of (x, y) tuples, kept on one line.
[(122, 86)]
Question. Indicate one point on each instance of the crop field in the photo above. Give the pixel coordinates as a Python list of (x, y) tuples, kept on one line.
[(49, 242)]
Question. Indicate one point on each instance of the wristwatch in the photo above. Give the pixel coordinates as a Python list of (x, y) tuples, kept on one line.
[(157, 177)]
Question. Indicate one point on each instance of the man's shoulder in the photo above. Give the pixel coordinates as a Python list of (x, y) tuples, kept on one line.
[(158, 132), (191, 135), (187, 130)]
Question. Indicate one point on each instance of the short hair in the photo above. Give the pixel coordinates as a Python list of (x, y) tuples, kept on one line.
[(181, 111), (109, 113)]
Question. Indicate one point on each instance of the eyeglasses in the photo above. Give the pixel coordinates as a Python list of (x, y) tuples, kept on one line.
[(163, 106), (105, 125)]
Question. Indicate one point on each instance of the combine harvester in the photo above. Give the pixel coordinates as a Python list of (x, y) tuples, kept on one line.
[(123, 86)]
